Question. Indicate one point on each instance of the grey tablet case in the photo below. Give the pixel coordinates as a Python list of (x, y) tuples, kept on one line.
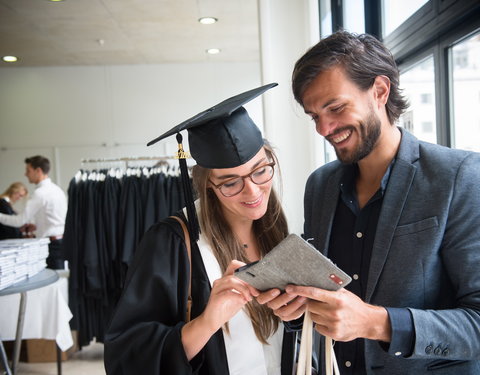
[(293, 261)]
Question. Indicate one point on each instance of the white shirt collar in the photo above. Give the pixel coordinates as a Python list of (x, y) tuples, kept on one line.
[(45, 181)]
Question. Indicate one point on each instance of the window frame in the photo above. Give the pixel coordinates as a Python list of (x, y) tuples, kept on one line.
[(432, 29)]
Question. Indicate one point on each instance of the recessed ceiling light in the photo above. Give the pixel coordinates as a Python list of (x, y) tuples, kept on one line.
[(9, 58), (213, 51), (55, 1), (207, 20)]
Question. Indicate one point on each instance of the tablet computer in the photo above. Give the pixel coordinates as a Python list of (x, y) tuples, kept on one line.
[(293, 261)]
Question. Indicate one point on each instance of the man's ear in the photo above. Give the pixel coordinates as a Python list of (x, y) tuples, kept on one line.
[(381, 90)]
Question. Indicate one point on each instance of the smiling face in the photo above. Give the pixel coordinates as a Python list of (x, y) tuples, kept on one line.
[(343, 114), (251, 203)]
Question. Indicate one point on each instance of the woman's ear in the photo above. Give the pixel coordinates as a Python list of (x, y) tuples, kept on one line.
[(381, 87)]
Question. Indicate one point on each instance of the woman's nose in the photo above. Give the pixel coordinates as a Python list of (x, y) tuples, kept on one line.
[(249, 186)]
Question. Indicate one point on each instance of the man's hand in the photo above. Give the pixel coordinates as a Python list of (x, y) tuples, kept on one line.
[(27, 230), (285, 306), (343, 316)]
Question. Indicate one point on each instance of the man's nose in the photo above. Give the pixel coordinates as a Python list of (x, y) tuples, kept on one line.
[(323, 126)]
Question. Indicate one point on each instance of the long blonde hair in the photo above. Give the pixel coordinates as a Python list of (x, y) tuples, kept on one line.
[(269, 230), (13, 188)]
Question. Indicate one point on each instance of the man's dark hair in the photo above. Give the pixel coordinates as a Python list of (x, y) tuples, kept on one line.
[(39, 162), (362, 57)]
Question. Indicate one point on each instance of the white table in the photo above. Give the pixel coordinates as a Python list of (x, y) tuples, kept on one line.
[(45, 316)]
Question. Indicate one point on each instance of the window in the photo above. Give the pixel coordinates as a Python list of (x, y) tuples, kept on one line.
[(418, 84), (354, 16), (436, 46), (465, 78), (325, 19), (426, 98), (395, 12)]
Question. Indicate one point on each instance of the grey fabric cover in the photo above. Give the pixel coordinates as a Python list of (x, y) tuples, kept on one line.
[(293, 261)]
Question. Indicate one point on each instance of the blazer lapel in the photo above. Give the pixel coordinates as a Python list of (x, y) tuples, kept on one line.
[(396, 193)]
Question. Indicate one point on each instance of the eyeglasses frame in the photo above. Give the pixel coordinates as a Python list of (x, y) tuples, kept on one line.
[(219, 186)]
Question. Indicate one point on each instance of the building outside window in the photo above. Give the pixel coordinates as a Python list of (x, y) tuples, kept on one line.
[(465, 78)]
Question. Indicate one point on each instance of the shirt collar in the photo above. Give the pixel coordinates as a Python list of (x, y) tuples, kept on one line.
[(46, 181), (350, 172)]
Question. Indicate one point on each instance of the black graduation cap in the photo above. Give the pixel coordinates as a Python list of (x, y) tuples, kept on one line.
[(223, 136)]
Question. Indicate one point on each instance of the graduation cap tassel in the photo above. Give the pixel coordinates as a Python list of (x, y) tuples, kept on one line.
[(193, 226)]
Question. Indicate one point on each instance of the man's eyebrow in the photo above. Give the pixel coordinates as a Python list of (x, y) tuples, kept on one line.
[(329, 102), (227, 176), (325, 105)]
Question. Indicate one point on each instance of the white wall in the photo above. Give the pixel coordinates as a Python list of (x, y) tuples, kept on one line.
[(72, 113), (288, 28)]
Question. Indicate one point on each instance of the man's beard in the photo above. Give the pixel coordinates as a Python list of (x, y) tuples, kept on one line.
[(369, 134)]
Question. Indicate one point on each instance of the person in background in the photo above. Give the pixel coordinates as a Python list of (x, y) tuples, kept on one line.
[(241, 219), (14, 192), (401, 216), (46, 209)]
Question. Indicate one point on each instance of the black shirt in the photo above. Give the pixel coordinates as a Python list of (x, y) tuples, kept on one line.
[(351, 243)]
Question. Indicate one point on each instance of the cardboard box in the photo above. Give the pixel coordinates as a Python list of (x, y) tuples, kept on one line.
[(40, 350)]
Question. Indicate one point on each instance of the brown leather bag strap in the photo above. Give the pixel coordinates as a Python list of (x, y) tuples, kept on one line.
[(189, 251)]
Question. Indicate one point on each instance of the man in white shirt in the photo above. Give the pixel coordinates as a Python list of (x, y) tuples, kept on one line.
[(47, 209)]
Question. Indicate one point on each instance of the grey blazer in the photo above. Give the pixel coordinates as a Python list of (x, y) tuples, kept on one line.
[(425, 257)]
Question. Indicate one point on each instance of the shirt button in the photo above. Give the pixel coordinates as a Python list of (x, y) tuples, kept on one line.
[(429, 349), (348, 364), (355, 276), (437, 351), (359, 234)]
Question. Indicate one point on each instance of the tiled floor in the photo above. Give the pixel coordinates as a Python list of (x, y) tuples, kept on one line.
[(88, 361)]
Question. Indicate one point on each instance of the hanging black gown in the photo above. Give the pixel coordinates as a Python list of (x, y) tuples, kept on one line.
[(144, 334)]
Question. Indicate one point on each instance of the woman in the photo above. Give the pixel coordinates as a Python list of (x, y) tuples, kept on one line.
[(14, 192), (240, 220)]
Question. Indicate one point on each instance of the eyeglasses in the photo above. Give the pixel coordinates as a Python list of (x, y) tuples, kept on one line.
[(258, 176)]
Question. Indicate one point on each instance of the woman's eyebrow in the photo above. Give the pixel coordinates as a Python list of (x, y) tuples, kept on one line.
[(227, 176)]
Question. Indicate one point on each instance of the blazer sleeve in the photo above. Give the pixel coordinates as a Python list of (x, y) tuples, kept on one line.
[(452, 333)]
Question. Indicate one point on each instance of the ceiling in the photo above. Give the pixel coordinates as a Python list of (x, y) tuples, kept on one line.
[(118, 32)]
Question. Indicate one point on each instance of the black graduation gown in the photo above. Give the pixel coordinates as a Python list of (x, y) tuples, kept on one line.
[(144, 334), (6, 231)]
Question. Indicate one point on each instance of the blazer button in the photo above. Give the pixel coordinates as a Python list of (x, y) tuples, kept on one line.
[(429, 349), (446, 352), (437, 351)]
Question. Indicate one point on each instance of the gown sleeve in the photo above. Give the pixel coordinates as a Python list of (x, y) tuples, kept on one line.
[(144, 335)]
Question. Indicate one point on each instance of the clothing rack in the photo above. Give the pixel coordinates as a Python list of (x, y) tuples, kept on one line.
[(128, 162), (109, 209), (127, 159)]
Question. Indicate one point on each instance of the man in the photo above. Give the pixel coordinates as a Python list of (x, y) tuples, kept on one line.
[(46, 209), (401, 216)]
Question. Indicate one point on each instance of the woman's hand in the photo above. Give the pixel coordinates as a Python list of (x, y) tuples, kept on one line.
[(228, 296)]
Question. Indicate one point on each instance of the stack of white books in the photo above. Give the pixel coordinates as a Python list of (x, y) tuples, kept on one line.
[(21, 258)]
